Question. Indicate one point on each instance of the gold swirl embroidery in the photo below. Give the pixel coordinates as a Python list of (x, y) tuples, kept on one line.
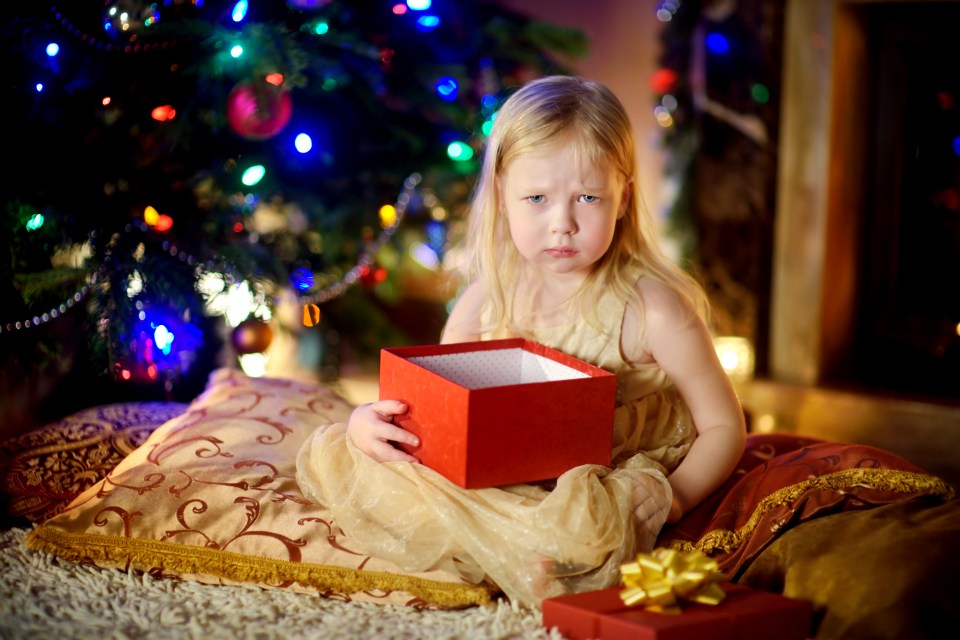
[(126, 518), (907, 482)]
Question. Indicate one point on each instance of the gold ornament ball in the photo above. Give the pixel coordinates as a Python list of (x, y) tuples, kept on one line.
[(252, 336)]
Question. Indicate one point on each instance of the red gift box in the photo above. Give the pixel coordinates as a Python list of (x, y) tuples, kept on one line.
[(744, 614), (500, 412)]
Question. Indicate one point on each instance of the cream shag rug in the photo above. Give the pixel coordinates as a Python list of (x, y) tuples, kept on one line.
[(42, 596)]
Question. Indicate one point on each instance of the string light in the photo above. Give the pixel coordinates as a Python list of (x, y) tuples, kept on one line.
[(239, 11), (717, 43), (326, 294), (367, 257), (303, 142), (163, 113), (35, 222), (428, 23), (667, 9), (253, 175), (459, 151), (388, 215), (93, 41), (447, 88), (760, 93)]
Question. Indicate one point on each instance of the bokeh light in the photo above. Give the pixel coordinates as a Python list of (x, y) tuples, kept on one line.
[(428, 23), (717, 43), (303, 142), (253, 175), (447, 88), (239, 11), (459, 151)]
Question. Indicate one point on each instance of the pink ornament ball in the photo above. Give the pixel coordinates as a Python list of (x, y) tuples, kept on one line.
[(258, 112)]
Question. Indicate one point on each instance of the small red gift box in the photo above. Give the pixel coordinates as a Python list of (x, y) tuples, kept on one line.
[(744, 614), (500, 412)]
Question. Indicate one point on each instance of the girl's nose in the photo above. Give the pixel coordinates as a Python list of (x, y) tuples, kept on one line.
[(563, 221)]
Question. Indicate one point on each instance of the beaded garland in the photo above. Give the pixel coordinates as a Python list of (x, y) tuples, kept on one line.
[(323, 295)]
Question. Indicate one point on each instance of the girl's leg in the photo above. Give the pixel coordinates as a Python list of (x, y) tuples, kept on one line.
[(651, 505)]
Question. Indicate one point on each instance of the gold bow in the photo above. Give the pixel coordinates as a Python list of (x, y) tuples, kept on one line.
[(661, 579)]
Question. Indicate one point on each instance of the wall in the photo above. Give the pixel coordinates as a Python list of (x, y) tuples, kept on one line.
[(624, 49)]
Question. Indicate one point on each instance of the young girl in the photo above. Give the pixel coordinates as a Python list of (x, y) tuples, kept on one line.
[(557, 251)]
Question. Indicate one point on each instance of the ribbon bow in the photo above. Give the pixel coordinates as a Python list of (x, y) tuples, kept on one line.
[(661, 579)]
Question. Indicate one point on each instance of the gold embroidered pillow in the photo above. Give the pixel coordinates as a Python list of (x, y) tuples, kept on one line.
[(211, 496), (44, 469)]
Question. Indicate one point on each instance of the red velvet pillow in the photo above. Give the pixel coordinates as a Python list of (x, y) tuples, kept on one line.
[(43, 470), (783, 480)]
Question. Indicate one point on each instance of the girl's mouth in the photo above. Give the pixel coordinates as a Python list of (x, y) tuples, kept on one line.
[(561, 252)]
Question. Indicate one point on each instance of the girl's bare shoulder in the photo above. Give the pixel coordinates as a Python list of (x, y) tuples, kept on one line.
[(662, 303), (465, 320)]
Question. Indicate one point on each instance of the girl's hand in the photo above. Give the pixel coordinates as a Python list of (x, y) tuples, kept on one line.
[(372, 432)]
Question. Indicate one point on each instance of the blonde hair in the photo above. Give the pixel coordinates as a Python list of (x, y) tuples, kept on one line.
[(587, 114)]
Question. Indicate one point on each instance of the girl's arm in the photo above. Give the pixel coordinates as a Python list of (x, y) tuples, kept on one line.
[(677, 339), (371, 425)]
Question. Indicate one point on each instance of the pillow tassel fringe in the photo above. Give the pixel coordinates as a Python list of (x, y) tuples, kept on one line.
[(149, 556)]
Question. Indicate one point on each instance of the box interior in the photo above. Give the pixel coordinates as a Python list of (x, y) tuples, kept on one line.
[(497, 367)]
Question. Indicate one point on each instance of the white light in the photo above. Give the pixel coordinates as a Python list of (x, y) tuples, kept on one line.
[(239, 11), (210, 284), (163, 339), (239, 304), (235, 303), (303, 143), (424, 255), (253, 364), (134, 284), (729, 360), (736, 356)]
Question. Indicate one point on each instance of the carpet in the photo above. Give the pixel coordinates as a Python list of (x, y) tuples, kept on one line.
[(42, 596)]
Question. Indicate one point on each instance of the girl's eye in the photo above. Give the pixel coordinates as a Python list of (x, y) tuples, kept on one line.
[(589, 199), (536, 199)]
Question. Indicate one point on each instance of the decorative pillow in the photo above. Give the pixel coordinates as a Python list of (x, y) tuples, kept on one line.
[(43, 470), (211, 495), (878, 574), (783, 480), (875, 574)]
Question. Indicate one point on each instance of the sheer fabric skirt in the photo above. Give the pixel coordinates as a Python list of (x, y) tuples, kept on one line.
[(530, 540)]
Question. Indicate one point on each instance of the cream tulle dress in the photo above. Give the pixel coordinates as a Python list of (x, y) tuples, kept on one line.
[(532, 541)]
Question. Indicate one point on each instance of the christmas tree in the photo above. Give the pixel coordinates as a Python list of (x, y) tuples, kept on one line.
[(182, 171)]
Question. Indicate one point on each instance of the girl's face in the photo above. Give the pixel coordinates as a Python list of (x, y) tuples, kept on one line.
[(562, 213)]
